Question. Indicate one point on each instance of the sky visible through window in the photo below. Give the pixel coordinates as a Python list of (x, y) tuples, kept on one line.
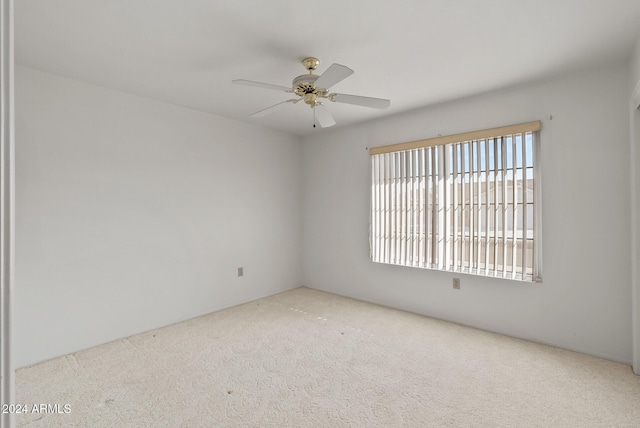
[(479, 148)]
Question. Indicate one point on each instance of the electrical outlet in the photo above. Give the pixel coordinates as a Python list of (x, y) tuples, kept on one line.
[(240, 271), (456, 283)]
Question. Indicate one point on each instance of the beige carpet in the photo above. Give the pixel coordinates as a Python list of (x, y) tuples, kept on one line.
[(310, 359)]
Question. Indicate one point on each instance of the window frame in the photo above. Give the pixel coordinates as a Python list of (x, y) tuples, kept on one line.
[(423, 226)]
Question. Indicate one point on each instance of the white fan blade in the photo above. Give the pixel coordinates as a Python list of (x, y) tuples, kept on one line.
[(271, 109), (334, 74), (361, 101), (261, 85), (324, 117)]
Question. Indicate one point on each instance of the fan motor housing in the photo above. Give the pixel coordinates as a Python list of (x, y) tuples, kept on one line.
[(304, 87), (304, 84)]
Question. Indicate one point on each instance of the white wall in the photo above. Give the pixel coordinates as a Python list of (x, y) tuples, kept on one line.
[(635, 65), (634, 118), (583, 303), (134, 214)]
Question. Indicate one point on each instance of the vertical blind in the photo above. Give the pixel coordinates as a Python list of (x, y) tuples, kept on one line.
[(459, 204)]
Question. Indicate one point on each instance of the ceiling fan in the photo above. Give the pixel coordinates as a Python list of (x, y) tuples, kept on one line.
[(313, 89)]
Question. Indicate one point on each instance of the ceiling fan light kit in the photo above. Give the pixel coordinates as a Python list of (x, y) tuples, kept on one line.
[(312, 89)]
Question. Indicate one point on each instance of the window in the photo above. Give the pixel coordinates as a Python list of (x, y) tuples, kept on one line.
[(462, 203)]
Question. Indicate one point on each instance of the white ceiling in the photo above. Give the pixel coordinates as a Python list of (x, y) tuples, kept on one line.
[(414, 52)]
